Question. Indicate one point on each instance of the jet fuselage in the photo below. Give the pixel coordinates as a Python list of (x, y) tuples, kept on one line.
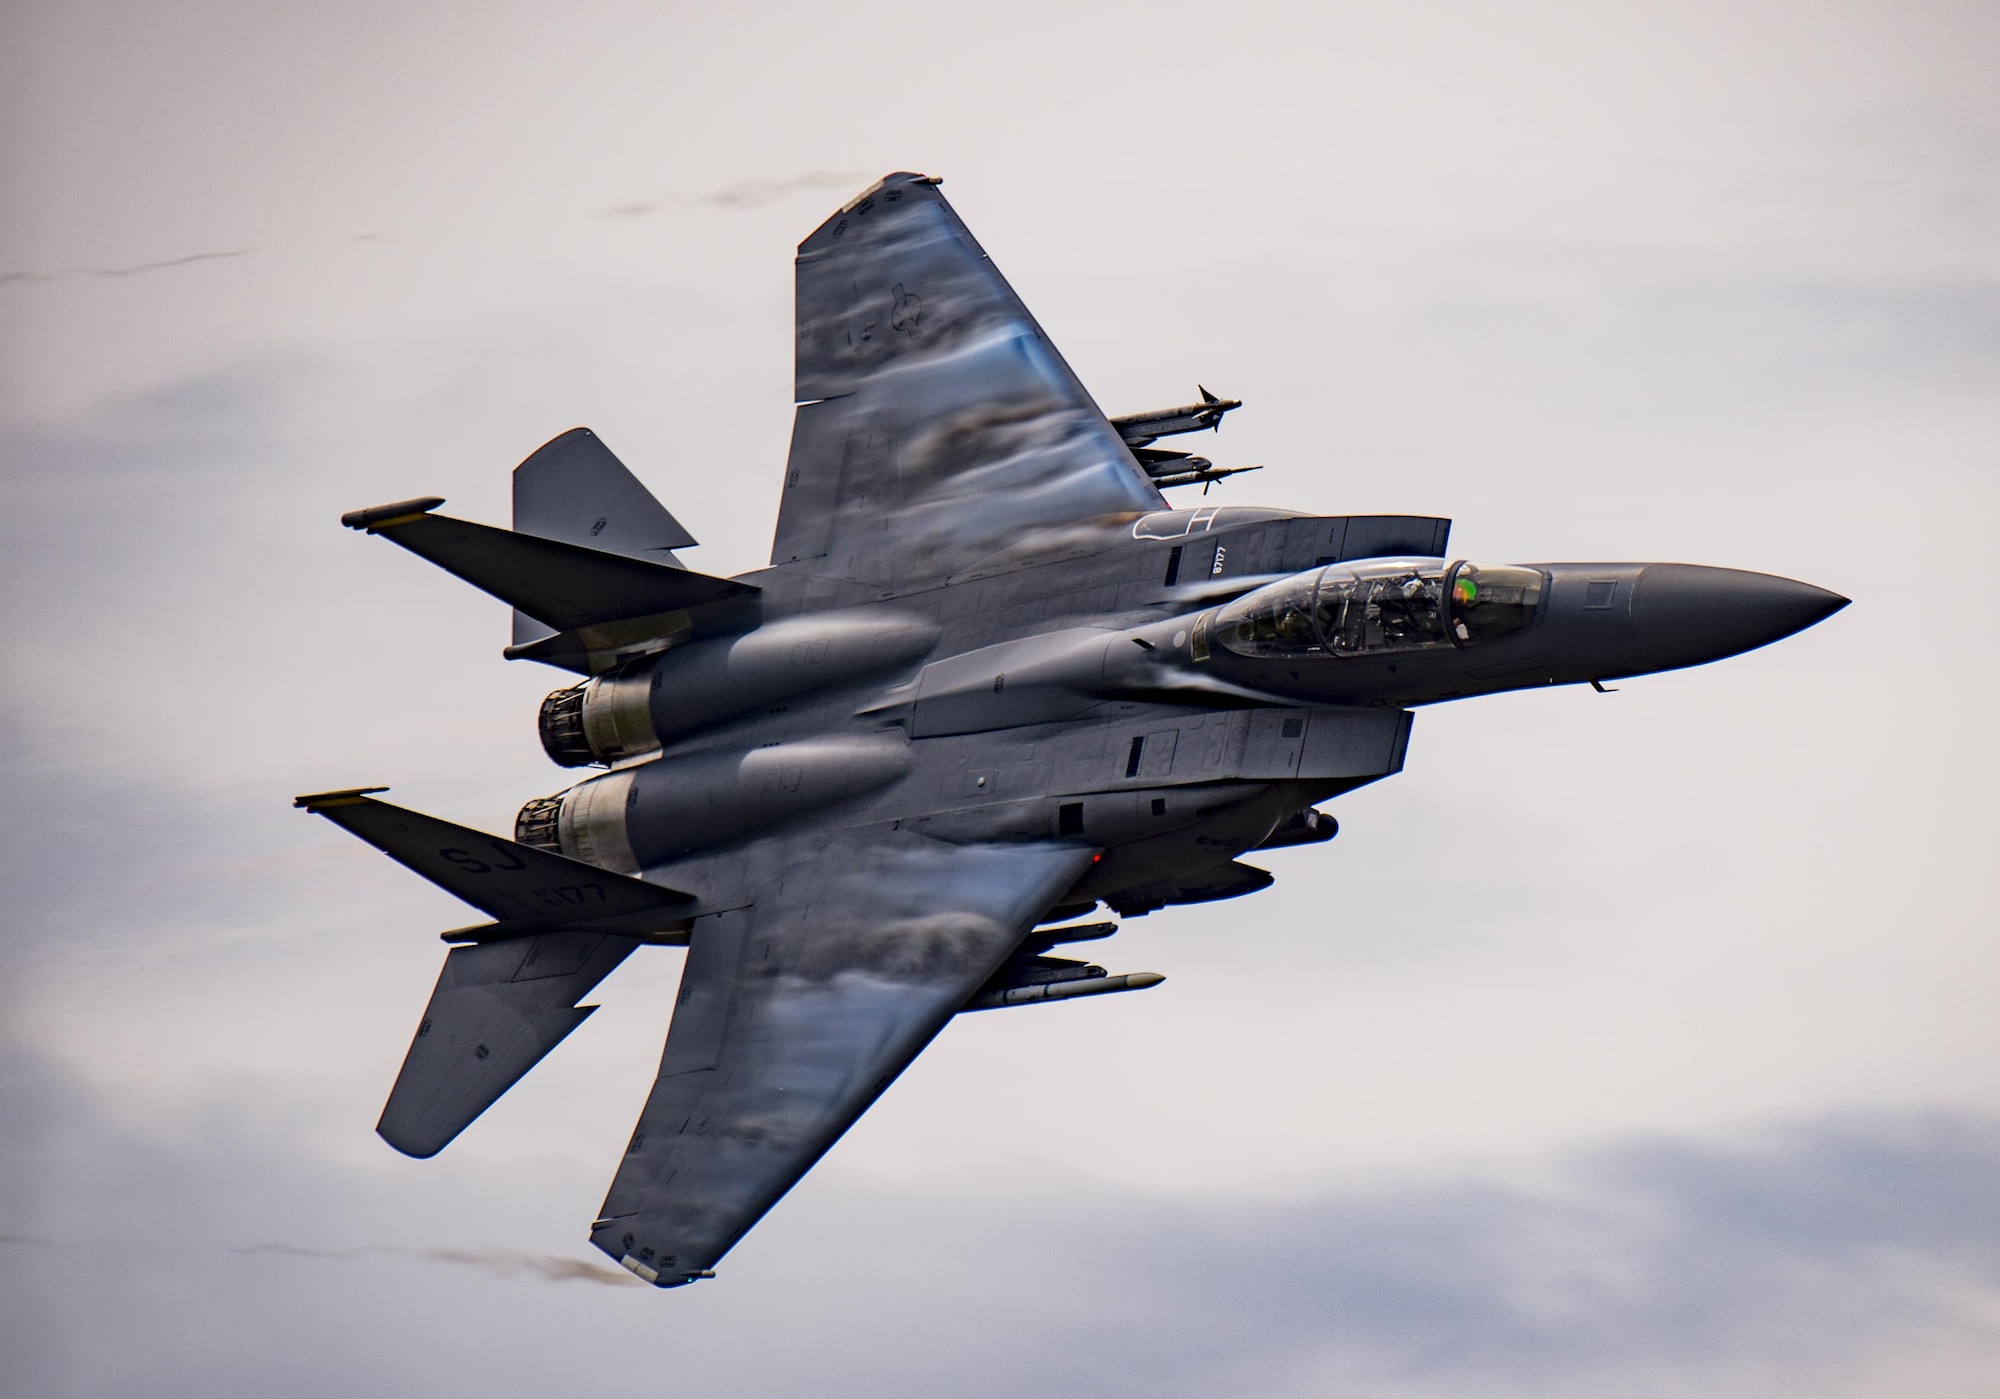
[(1141, 696)]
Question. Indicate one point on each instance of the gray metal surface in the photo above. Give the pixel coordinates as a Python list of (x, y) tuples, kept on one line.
[(991, 681), (521, 888), (937, 423), (573, 489), (796, 1013), (498, 1009), (562, 585)]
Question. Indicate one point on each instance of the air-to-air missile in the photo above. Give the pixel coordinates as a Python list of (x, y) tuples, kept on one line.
[(1184, 468), (1030, 975), (1141, 430)]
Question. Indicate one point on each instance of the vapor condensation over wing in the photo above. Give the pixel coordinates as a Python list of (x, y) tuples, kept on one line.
[(744, 194), (548, 1267), (752, 194), (497, 1262)]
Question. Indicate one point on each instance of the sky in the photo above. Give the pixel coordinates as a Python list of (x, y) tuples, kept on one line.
[(1636, 1044)]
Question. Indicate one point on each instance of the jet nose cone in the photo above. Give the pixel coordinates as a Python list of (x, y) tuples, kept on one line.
[(1684, 614)]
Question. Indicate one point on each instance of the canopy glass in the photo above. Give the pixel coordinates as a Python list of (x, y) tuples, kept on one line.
[(1381, 605)]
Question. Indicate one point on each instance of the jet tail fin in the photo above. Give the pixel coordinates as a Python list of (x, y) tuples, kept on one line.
[(522, 888), (602, 601), (573, 490)]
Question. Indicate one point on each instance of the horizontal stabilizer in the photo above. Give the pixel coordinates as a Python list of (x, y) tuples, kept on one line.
[(498, 1009), (564, 586), (522, 888)]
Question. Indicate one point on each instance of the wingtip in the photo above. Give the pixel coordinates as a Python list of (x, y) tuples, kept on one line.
[(417, 1148), (888, 181), (346, 796), (396, 512)]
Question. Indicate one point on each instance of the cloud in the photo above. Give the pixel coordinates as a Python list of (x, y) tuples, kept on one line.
[(1803, 1254), (1844, 1256), (135, 270)]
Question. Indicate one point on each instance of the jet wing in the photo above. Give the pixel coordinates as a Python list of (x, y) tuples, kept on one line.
[(795, 1013), (936, 423)]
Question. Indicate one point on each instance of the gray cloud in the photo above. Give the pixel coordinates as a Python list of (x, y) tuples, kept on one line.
[(1808, 1248), (1803, 1258)]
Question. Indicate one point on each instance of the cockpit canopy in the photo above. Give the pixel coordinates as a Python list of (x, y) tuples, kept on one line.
[(1380, 605)]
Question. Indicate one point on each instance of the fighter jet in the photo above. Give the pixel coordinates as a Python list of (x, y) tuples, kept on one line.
[(991, 683)]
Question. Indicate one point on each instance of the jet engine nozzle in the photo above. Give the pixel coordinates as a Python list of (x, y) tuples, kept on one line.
[(560, 724), (602, 721)]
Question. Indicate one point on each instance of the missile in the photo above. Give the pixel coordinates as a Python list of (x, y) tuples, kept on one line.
[(1140, 428), (1043, 939), (1182, 468), (1205, 477), (1063, 990), (1158, 461)]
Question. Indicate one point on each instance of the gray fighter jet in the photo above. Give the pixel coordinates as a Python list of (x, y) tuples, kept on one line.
[(990, 682)]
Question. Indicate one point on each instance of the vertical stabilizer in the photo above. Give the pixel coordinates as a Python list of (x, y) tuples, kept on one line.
[(574, 490)]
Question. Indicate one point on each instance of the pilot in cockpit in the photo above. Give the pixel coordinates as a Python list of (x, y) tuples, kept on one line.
[(1385, 605)]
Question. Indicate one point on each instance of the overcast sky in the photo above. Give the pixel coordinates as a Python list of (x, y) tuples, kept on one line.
[(1639, 1043)]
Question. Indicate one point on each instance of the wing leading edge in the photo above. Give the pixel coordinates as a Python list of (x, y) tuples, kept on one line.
[(936, 421), (795, 1014)]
